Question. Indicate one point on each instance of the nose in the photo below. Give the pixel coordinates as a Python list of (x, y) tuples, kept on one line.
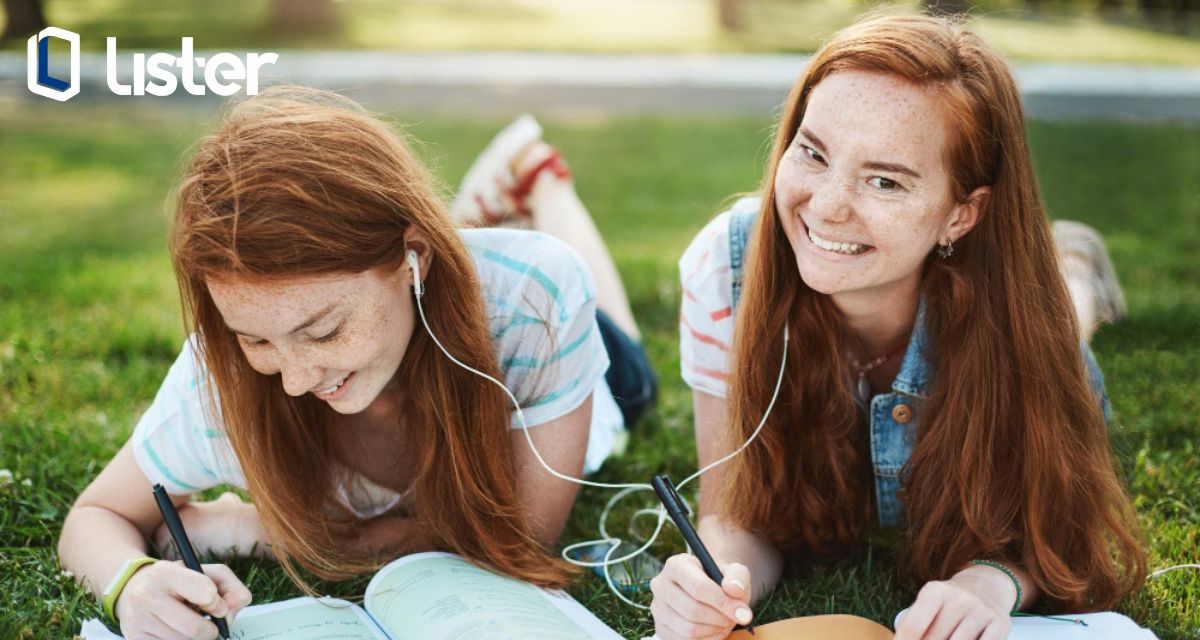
[(831, 200), (299, 377)]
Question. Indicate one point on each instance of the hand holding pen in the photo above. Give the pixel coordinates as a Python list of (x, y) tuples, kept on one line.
[(725, 600), (184, 547)]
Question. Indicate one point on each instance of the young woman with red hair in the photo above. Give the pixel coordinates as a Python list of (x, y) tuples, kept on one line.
[(935, 380), (310, 249)]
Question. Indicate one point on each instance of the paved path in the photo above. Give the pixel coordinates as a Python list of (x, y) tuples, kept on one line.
[(581, 83)]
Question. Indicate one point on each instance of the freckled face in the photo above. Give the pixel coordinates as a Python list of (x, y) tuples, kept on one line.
[(862, 192), (340, 337)]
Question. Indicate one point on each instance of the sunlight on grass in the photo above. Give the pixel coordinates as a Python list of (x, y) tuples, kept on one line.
[(89, 323), (1086, 40)]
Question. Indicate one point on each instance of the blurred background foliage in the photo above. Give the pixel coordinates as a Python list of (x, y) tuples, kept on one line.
[(1149, 31)]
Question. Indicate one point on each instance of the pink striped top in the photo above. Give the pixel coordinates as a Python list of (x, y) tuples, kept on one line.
[(706, 317)]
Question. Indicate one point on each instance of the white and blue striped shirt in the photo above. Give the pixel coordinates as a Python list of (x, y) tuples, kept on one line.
[(540, 300)]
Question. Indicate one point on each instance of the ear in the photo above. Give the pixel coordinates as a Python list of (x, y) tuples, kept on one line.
[(416, 240), (965, 215)]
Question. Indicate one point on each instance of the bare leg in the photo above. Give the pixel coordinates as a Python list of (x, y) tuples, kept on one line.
[(1091, 281), (1075, 268), (557, 210)]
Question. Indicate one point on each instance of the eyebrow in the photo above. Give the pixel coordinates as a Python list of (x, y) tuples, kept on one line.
[(303, 325), (815, 140), (890, 167)]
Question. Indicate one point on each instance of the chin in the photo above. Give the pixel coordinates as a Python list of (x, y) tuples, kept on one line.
[(351, 405), (823, 282)]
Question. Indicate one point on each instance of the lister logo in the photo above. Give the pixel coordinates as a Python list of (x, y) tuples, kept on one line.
[(158, 67), (38, 61), (153, 74)]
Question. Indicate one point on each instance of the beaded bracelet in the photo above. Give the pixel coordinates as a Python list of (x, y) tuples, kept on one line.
[(1008, 572)]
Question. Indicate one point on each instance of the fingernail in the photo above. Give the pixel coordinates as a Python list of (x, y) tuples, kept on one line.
[(743, 615), (737, 583)]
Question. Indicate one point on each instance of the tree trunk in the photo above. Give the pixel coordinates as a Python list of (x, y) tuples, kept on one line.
[(304, 16), (24, 18), (730, 14), (1109, 8)]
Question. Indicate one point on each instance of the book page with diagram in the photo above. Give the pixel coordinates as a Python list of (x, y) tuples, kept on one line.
[(440, 596)]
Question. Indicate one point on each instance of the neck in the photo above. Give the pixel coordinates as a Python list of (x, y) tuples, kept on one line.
[(384, 412), (881, 319)]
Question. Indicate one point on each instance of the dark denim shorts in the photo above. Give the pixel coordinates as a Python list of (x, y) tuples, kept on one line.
[(629, 374)]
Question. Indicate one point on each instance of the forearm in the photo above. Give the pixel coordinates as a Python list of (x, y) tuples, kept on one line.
[(730, 543), (95, 544)]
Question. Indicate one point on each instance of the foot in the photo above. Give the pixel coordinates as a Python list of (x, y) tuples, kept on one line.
[(537, 166), (1084, 261), (482, 199)]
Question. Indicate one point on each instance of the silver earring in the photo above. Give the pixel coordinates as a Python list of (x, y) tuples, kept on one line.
[(946, 250)]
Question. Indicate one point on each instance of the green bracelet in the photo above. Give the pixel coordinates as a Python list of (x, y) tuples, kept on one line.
[(114, 589), (1011, 576)]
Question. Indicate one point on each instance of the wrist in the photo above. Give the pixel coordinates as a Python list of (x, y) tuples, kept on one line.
[(116, 586), (996, 584)]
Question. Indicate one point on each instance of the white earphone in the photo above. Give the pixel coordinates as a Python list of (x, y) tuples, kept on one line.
[(625, 488), (418, 287)]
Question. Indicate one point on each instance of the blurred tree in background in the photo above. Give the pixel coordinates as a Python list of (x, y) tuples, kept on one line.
[(305, 16), (22, 18), (1084, 30)]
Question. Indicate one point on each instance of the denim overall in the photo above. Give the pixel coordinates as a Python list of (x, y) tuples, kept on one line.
[(893, 416)]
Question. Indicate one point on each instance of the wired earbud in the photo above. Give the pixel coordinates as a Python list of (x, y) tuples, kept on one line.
[(410, 256), (625, 489)]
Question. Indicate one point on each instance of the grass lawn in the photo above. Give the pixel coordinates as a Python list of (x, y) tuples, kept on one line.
[(89, 324), (608, 26)]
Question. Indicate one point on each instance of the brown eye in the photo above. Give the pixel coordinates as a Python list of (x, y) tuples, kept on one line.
[(887, 184), (812, 154)]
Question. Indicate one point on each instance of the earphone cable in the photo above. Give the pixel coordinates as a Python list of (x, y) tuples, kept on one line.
[(625, 489)]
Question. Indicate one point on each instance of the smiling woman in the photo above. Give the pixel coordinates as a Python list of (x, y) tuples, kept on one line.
[(307, 241), (936, 382)]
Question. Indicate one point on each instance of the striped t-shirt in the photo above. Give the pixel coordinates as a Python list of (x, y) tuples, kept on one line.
[(540, 300), (706, 312)]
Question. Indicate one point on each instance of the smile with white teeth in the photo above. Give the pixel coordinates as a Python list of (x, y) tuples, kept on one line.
[(845, 248), (334, 388)]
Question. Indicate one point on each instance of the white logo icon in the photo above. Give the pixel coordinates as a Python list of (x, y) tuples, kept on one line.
[(38, 77)]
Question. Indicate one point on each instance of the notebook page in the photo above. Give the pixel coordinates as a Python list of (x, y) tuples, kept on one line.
[(1100, 626), (439, 596), (296, 619)]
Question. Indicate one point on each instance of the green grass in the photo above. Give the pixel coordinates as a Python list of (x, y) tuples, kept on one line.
[(89, 323), (609, 26)]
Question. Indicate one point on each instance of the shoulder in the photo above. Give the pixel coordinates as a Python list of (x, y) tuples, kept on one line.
[(709, 250), (180, 440), (529, 268)]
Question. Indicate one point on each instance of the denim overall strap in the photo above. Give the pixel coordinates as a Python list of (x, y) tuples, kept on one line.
[(741, 218)]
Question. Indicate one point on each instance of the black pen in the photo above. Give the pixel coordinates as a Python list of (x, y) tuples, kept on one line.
[(679, 515), (175, 526)]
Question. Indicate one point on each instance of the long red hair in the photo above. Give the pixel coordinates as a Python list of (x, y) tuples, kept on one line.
[(1012, 458), (299, 182)]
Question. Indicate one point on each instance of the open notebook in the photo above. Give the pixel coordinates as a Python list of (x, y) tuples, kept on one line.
[(426, 596), (1099, 626)]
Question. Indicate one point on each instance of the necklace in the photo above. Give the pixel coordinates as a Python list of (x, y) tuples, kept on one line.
[(862, 385)]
